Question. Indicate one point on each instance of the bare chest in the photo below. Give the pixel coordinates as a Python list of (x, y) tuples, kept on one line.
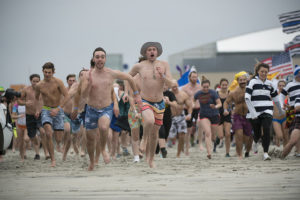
[(50, 88), (101, 82)]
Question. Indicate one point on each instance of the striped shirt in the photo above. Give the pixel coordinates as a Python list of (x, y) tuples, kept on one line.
[(297, 103), (261, 94), (292, 89)]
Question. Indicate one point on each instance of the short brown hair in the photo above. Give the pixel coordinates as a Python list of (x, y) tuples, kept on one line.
[(99, 49), (71, 75), (49, 65)]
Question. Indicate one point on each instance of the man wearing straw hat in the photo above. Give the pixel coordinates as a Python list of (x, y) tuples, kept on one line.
[(154, 74)]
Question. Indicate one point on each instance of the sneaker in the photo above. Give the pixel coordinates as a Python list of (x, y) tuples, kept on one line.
[(255, 148), (266, 157), (164, 153), (297, 154), (125, 152), (37, 157), (227, 155), (247, 155), (221, 145), (136, 159)]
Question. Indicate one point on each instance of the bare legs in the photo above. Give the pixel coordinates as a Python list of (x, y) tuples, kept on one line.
[(49, 135)]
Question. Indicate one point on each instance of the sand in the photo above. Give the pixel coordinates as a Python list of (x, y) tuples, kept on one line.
[(192, 177)]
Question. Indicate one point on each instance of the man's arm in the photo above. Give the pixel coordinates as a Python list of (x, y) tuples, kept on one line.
[(22, 99), (36, 99), (227, 104), (116, 103), (189, 105), (127, 77), (167, 75)]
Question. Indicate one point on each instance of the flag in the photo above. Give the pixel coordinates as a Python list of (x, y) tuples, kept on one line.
[(282, 63), (268, 61), (179, 69), (294, 46), (185, 77), (290, 21)]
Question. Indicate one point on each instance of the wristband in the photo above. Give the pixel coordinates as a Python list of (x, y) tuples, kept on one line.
[(135, 92), (75, 108)]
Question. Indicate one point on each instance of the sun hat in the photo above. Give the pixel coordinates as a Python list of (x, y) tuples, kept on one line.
[(157, 45)]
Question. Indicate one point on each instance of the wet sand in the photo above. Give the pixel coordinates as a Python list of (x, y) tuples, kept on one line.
[(193, 177)]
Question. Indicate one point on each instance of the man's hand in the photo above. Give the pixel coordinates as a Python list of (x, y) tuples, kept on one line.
[(74, 114), (166, 100), (116, 110), (188, 117), (160, 72), (125, 98), (138, 100), (37, 114)]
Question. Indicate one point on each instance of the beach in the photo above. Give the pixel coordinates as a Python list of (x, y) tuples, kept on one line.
[(187, 177)]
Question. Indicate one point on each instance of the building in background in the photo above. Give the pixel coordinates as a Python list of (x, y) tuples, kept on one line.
[(224, 58), (114, 61)]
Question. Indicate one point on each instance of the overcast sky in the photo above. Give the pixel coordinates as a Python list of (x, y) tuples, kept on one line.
[(66, 32)]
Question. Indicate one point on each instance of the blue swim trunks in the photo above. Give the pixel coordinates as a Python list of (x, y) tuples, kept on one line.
[(57, 122), (93, 115), (75, 124)]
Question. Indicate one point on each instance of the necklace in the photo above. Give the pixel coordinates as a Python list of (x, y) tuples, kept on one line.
[(154, 77)]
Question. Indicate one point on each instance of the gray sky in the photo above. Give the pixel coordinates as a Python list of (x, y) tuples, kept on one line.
[(66, 32)]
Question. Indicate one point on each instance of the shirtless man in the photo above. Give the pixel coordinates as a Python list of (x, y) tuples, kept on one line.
[(241, 126), (191, 88), (32, 123), (96, 85), (70, 126), (52, 114), (179, 124), (154, 74)]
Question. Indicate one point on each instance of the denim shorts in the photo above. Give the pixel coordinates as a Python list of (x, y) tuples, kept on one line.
[(93, 115), (57, 122), (75, 124)]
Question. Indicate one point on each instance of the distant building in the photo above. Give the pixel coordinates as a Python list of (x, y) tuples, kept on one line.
[(224, 58), (114, 61)]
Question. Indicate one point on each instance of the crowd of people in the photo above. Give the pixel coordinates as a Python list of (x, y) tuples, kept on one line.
[(105, 111)]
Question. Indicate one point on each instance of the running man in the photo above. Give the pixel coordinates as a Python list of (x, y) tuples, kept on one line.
[(154, 74), (51, 89), (99, 109), (241, 126), (191, 88), (179, 125), (32, 123)]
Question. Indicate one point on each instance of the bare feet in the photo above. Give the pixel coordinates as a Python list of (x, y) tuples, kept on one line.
[(82, 154), (58, 148), (151, 164), (64, 157), (91, 167), (106, 158), (201, 148), (53, 163)]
